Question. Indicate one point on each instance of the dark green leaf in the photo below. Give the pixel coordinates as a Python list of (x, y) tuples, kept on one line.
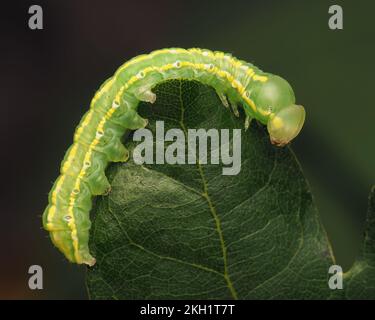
[(189, 232), (359, 281)]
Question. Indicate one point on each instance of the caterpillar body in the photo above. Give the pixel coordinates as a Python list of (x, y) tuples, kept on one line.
[(97, 139)]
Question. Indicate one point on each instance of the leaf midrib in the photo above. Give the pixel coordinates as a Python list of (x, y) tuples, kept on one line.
[(210, 204)]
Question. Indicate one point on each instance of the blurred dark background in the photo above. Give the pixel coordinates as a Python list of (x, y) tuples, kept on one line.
[(49, 76)]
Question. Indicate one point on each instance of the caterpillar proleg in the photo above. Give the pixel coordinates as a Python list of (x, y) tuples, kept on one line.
[(97, 139)]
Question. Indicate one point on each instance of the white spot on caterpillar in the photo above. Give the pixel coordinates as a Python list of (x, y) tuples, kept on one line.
[(140, 75), (67, 218), (87, 164), (244, 67), (115, 104), (99, 134), (173, 51), (205, 53), (177, 64)]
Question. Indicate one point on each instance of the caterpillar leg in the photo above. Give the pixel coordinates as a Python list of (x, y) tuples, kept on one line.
[(248, 120), (107, 191), (234, 107), (99, 184), (145, 94), (223, 99), (131, 120), (124, 155), (122, 152)]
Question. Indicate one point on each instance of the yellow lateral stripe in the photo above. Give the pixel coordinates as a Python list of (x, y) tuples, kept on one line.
[(85, 122), (77, 185), (260, 78), (199, 66), (51, 213), (233, 61), (150, 56), (221, 73), (57, 238), (72, 153), (136, 60), (64, 168), (100, 92), (214, 55), (52, 209)]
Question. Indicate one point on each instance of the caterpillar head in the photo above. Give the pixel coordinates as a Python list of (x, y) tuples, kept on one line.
[(275, 99), (286, 124)]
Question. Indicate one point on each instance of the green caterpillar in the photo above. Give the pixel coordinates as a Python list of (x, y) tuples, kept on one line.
[(265, 97)]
